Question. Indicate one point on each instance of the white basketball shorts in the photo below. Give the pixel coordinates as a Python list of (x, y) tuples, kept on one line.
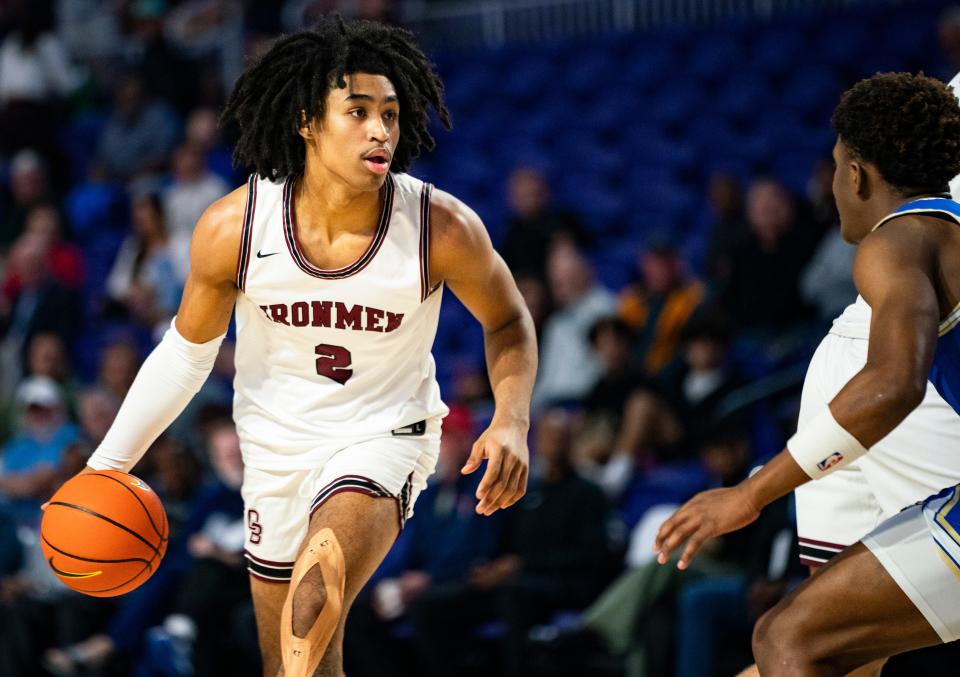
[(280, 503), (920, 549), (916, 460)]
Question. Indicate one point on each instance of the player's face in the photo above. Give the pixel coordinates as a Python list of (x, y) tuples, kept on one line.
[(846, 189), (360, 130)]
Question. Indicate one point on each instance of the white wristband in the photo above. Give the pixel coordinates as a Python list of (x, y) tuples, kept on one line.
[(823, 445)]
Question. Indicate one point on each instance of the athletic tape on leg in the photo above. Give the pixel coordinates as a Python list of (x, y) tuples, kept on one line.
[(302, 655)]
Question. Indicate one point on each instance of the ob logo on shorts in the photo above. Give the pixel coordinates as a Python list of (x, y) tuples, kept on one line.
[(253, 524)]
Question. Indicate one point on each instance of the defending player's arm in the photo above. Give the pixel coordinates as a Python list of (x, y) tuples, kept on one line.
[(894, 271), (462, 256), (173, 373)]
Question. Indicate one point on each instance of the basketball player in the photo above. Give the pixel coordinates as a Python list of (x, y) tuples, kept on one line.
[(898, 147), (334, 261)]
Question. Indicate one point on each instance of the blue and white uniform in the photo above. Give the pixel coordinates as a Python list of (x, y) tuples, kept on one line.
[(918, 458), (920, 547)]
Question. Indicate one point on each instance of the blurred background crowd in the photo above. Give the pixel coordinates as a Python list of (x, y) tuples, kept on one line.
[(663, 197)]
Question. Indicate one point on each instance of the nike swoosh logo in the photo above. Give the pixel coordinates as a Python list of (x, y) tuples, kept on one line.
[(67, 574), (263, 256)]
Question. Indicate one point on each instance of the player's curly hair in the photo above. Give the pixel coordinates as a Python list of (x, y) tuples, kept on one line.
[(299, 70), (907, 126)]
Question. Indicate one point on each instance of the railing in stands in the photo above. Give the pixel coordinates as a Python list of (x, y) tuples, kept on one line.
[(468, 23)]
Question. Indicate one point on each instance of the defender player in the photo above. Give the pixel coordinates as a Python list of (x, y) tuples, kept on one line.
[(335, 261), (897, 589)]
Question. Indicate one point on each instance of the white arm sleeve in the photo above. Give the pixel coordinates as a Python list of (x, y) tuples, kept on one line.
[(169, 378)]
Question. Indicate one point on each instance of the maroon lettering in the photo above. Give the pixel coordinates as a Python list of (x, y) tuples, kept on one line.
[(266, 311), (300, 314), (253, 524), (349, 317), (321, 313), (374, 315), (278, 313), (334, 362), (393, 321)]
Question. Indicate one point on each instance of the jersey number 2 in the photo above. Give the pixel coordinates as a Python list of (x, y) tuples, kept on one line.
[(334, 362)]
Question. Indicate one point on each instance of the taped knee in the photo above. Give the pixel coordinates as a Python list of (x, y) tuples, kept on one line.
[(313, 606)]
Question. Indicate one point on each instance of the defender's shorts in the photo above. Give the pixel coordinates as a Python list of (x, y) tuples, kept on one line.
[(279, 503), (919, 550), (916, 460)]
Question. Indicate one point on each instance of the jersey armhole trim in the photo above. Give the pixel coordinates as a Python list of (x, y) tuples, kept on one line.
[(246, 238), (425, 241)]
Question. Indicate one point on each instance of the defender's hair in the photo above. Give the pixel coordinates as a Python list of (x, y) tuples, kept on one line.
[(295, 75), (907, 126)]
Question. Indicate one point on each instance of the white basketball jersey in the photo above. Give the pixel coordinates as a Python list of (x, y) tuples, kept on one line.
[(326, 358)]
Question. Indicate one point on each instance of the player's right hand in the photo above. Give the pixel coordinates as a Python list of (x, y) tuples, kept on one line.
[(505, 479), (706, 515)]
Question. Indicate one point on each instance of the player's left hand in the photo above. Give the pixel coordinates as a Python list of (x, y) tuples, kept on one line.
[(706, 515), (508, 459)]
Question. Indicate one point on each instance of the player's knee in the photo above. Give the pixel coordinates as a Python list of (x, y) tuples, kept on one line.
[(778, 641), (309, 599), (320, 591)]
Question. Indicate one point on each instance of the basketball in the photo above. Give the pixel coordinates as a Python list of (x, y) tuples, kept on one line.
[(104, 533)]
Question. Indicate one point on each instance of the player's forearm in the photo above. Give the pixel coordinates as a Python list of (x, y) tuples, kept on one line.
[(777, 478), (875, 401), (169, 378), (511, 352)]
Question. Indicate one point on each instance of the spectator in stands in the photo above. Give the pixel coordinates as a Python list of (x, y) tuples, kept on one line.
[(556, 548), (727, 224), (143, 283), (119, 363), (65, 260), (827, 281), (165, 71), (96, 409), (568, 368), (37, 302), (821, 206), (658, 307), (612, 342), (35, 74), (32, 458), (535, 295), (194, 188), (763, 291), (427, 577), (175, 474), (535, 226), (203, 132), (29, 188), (662, 419), (139, 134)]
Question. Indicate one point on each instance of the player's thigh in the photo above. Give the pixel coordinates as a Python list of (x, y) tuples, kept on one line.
[(851, 612), (365, 526)]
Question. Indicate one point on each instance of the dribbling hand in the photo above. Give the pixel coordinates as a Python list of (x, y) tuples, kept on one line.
[(505, 479)]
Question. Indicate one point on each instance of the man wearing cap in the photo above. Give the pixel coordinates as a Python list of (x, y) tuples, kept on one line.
[(31, 459)]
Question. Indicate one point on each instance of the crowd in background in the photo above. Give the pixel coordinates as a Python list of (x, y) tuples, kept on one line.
[(683, 379)]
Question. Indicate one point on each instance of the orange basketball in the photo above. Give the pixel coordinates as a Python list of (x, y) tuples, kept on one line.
[(104, 533)]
